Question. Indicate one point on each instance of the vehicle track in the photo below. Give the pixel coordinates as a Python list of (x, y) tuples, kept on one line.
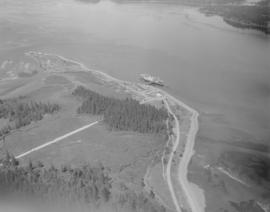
[(55, 140)]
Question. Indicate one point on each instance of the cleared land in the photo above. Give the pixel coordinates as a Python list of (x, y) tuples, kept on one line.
[(55, 140), (141, 92), (128, 154)]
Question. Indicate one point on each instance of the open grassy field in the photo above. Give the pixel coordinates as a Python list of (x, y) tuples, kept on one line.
[(156, 181), (128, 154)]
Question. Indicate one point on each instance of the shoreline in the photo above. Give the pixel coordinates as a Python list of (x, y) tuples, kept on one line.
[(191, 191)]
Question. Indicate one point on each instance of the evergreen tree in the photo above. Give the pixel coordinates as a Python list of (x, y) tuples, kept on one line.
[(123, 114), (21, 112)]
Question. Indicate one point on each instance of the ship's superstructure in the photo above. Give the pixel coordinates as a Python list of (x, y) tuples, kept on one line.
[(151, 79)]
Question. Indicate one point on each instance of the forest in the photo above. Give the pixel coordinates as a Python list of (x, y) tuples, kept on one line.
[(83, 184), (243, 16), (20, 112), (123, 114), (234, 12)]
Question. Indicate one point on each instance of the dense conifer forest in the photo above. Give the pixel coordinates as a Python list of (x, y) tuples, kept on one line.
[(243, 16), (20, 112), (237, 13), (84, 184), (123, 114)]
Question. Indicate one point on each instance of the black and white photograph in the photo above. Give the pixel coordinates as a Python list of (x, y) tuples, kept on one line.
[(134, 105)]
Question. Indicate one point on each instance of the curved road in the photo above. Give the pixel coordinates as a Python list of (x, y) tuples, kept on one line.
[(169, 165), (195, 204)]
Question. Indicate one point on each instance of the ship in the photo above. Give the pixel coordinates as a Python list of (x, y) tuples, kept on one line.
[(152, 80)]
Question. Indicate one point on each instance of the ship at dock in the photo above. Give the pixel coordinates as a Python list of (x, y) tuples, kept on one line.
[(152, 80)]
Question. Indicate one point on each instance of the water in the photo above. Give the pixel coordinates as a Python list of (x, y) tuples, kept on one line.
[(221, 71)]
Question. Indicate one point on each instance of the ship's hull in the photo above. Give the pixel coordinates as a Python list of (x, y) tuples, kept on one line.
[(151, 82)]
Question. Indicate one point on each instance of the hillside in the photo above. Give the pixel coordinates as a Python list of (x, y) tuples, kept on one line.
[(237, 13), (255, 17)]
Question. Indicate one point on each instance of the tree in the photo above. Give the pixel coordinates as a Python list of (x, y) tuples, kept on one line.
[(123, 114)]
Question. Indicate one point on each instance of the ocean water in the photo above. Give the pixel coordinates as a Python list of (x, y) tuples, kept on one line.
[(221, 71)]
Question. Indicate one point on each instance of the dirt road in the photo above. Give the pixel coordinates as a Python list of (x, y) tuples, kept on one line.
[(169, 165), (194, 195), (56, 140)]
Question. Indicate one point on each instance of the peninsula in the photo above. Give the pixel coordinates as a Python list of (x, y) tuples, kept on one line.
[(184, 122)]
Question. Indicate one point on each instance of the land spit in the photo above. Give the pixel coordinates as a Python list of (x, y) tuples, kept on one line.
[(185, 195)]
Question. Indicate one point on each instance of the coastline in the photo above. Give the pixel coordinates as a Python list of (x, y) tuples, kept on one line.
[(193, 193), (142, 92)]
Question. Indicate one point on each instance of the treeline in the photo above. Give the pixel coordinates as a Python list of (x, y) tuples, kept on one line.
[(234, 12), (20, 112), (86, 185), (123, 114), (263, 27), (243, 16)]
